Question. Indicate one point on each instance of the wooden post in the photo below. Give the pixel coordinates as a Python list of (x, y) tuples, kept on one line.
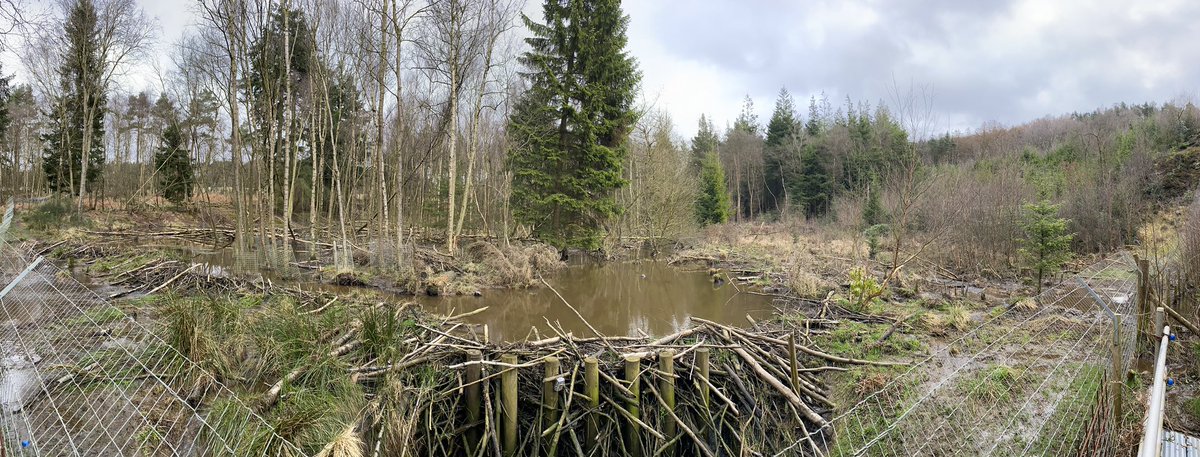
[(1143, 296), (633, 436), (702, 372), (1160, 319), (591, 387), (792, 357), (549, 395), (666, 387), (1117, 356), (508, 401), (472, 393)]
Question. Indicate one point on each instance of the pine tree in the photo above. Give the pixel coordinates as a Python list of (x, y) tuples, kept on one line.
[(705, 141), (814, 126), (783, 120), (569, 129), (780, 131), (872, 210), (1046, 245), (79, 109), (172, 161), (747, 121), (812, 190), (5, 94), (873, 221), (713, 205)]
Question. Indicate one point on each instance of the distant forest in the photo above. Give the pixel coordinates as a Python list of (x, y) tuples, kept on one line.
[(373, 125)]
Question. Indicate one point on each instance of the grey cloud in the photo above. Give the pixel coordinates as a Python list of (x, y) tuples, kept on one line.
[(1009, 61)]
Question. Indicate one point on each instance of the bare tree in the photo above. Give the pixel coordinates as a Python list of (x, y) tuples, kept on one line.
[(124, 35), (496, 19)]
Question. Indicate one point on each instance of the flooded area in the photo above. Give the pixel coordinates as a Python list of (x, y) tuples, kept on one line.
[(618, 299)]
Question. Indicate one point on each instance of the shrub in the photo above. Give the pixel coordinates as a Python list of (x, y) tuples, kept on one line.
[(804, 283), (864, 290), (1189, 241), (1047, 245), (56, 214), (873, 233)]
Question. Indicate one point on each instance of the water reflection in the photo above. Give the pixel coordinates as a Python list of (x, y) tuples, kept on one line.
[(618, 299)]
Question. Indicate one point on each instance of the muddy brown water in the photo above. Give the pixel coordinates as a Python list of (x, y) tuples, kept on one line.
[(617, 298)]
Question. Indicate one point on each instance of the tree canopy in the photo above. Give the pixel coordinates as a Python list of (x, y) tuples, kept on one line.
[(172, 161), (76, 115), (570, 126)]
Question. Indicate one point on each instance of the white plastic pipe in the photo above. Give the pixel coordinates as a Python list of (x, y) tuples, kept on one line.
[(1152, 434)]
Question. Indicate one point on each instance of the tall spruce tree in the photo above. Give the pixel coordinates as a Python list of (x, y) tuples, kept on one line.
[(172, 161), (5, 94), (747, 121), (713, 205), (812, 190), (76, 114), (814, 126), (780, 131), (1046, 244), (872, 213), (705, 140), (569, 129)]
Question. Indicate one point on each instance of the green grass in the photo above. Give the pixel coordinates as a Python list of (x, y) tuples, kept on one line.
[(893, 395), (1118, 274), (98, 316), (958, 317), (1073, 413), (149, 439), (1192, 406), (858, 340), (997, 382)]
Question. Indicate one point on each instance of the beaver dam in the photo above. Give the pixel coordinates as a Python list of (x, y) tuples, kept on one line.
[(225, 365)]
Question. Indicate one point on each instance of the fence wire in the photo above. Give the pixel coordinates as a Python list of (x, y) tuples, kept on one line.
[(1024, 382), (82, 376)]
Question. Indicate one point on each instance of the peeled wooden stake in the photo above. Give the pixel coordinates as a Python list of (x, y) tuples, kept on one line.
[(508, 403), (472, 393), (633, 436), (666, 387), (591, 386), (549, 393)]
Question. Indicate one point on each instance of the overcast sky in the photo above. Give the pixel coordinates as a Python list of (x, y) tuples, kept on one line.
[(1008, 61)]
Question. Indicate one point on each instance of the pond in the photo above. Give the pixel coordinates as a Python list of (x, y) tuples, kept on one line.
[(618, 299)]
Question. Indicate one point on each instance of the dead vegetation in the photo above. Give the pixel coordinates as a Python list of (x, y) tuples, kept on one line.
[(349, 375), (1189, 241)]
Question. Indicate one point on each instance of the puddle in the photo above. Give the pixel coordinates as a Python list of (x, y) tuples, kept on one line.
[(17, 378)]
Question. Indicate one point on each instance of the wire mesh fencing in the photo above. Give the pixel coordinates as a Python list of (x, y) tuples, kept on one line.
[(1023, 382), (82, 376)]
